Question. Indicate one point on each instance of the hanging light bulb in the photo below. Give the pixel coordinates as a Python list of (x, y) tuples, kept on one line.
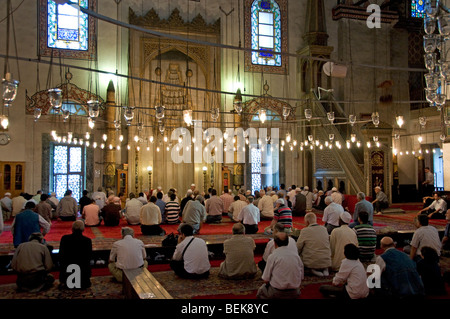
[(286, 112), (282, 142), (308, 114), (353, 138), (394, 151), (358, 144), (330, 116), (420, 138), (88, 135), (37, 113), (65, 115), (69, 135), (237, 102), (377, 144), (375, 138), (161, 128), (215, 113), (9, 88), (352, 119), (294, 142), (128, 114), (110, 146), (94, 145), (317, 142), (310, 138), (117, 125), (121, 138), (55, 98), (288, 137), (138, 148), (87, 143), (369, 145), (94, 109), (151, 138), (118, 147), (105, 137), (348, 144), (262, 115), (400, 121), (91, 123), (136, 138), (187, 116), (375, 119), (102, 146), (128, 147)]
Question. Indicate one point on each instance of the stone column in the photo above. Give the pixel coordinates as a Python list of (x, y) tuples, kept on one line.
[(109, 155)]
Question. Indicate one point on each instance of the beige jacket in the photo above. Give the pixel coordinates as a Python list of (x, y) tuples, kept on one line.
[(340, 237), (239, 259), (314, 247)]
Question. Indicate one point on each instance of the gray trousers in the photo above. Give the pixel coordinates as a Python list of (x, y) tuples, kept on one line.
[(266, 291)]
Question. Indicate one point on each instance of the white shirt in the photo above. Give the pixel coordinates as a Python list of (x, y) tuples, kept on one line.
[(150, 214), (291, 195), (270, 247), (265, 205), (249, 215), (439, 205), (284, 269), (196, 259), (130, 253), (353, 273), (331, 214), (133, 210), (426, 236)]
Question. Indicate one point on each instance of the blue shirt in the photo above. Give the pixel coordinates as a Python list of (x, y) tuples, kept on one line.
[(162, 207), (363, 206)]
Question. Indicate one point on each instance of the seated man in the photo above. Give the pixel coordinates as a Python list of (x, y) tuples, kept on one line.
[(381, 201), (437, 208), (351, 280), (32, 262), (190, 259), (367, 237), (194, 214), (132, 210), (76, 249), (91, 214), (283, 274), (151, 219), (111, 214), (235, 208), (313, 245), (399, 276), (127, 253), (270, 247), (250, 217), (214, 208), (239, 260), (282, 215), (425, 235)]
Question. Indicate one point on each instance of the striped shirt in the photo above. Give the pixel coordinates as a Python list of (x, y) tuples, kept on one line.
[(283, 215), (172, 211), (367, 241)]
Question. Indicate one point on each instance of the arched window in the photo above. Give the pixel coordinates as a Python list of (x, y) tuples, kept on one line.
[(65, 30), (418, 8), (266, 32)]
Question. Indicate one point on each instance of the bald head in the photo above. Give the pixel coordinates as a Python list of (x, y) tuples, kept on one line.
[(386, 242)]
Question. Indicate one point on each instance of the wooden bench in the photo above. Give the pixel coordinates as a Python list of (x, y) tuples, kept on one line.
[(140, 284)]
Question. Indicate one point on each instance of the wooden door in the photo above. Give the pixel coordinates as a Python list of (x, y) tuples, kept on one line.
[(12, 178)]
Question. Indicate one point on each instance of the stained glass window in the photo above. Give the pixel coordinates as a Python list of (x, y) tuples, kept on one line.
[(266, 32), (67, 26), (68, 170), (418, 8), (256, 168)]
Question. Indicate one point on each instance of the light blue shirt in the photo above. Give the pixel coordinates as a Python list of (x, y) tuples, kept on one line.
[(362, 206)]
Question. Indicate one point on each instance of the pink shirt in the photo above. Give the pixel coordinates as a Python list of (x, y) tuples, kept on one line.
[(90, 214)]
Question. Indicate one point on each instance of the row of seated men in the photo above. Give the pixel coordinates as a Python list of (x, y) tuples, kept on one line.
[(411, 272)]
